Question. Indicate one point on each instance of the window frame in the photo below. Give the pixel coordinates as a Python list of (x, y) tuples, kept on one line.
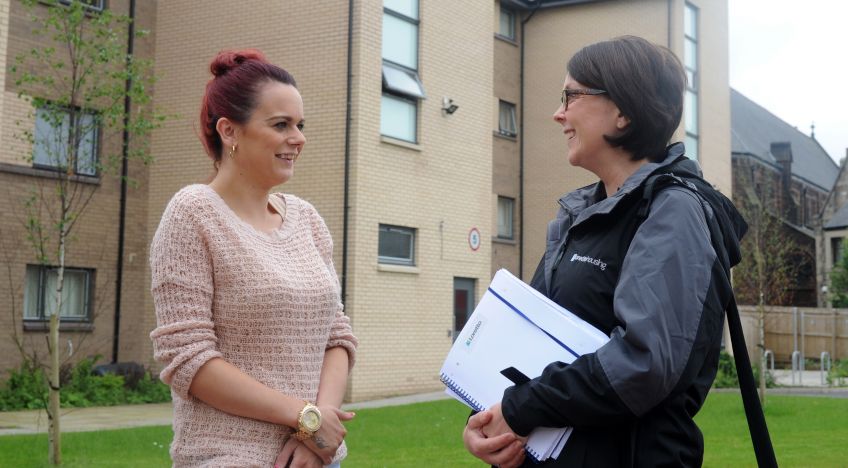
[(43, 273), (50, 107), (87, 4), (693, 134), (414, 104), (397, 93), (389, 260), (511, 107), (837, 245), (513, 21), (511, 201)]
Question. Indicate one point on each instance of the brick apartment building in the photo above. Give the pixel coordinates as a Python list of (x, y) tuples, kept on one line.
[(432, 154)]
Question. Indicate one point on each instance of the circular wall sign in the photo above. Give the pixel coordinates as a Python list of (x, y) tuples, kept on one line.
[(474, 238)]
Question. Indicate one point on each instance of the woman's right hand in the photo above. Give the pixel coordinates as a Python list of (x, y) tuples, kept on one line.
[(326, 440)]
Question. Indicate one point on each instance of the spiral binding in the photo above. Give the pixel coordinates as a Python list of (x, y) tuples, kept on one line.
[(451, 384), (536, 456)]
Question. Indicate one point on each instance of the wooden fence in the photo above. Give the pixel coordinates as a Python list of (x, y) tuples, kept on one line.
[(808, 330)]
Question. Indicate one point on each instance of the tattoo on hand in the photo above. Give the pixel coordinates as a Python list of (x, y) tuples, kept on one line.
[(319, 442)]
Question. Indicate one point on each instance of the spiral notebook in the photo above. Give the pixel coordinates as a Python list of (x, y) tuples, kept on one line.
[(515, 327)]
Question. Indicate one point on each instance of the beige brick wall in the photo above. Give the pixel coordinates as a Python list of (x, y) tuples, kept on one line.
[(505, 151), (134, 341), (441, 187)]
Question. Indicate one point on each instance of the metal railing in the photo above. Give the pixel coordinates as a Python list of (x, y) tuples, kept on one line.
[(825, 358)]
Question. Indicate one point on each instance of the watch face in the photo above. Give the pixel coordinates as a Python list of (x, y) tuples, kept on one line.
[(311, 420)]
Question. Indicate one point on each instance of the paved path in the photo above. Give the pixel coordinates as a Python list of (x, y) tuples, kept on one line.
[(158, 414)]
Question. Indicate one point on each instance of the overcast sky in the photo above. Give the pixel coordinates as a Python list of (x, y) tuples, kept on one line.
[(790, 57)]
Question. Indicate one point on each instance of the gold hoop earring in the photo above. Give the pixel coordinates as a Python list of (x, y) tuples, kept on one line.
[(233, 151)]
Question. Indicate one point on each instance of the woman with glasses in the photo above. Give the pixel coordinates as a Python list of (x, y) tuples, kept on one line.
[(660, 295)]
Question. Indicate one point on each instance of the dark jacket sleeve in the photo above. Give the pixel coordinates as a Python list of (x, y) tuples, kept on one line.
[(659, 300)]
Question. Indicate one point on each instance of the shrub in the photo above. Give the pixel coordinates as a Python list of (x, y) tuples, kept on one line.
[(26, 388), (838, 374), (726, 376)]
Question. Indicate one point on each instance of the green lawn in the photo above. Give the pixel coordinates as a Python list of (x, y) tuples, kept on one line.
[(806, 432)]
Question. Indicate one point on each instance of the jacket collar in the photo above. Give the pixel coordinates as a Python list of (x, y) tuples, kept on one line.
[(590, 200)]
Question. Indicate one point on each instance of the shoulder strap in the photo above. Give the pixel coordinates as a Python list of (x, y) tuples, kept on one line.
[(753, 410)]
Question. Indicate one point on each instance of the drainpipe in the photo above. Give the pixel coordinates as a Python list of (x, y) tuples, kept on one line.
[(521, 149), (123, 210), (345, 221)]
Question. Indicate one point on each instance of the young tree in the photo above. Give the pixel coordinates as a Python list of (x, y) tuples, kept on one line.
[(89, 96), (771, 261)]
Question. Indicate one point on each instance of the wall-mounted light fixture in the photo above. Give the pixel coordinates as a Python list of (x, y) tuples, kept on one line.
[(448, 107)]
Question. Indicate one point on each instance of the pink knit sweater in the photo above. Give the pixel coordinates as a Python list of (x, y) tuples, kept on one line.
[(267, 303)]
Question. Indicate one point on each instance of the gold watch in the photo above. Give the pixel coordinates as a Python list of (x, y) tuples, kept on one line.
[(308, 422)]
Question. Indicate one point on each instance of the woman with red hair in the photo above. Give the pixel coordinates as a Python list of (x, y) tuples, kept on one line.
[(250, 325)]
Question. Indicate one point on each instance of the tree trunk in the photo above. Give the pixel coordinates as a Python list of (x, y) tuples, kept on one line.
[(761, 319), (54, 431)]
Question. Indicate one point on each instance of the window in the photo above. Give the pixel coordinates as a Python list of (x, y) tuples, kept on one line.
[(506, 209), (51, 136), (398, 117), (402, 86), (396, 245), (91, 5), (691, 65), (507, 24), (836, 246), (506, 118), (40, 290)]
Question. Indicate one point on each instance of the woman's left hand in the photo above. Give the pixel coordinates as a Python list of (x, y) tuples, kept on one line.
[(297, 455)]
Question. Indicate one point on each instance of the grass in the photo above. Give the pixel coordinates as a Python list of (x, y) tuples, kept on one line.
[(139, 447), (806, 432)]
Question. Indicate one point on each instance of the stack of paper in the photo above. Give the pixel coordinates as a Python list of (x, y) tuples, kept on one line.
[(515, 326)]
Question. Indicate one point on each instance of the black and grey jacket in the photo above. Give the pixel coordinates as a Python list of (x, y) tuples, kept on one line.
[(656, 286)]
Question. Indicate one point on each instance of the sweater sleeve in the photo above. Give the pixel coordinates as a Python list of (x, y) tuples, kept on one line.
[(664, 292), (341, 332), (182, 287)]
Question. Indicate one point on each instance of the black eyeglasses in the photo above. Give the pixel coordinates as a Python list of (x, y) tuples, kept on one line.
[(568, 94)]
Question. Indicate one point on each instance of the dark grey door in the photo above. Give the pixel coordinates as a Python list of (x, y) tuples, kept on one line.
[(463, 302)]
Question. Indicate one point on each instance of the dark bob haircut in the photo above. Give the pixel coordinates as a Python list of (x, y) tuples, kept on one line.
[(646, 81)]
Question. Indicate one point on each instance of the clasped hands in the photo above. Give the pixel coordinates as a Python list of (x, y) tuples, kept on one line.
[(488, 437), (320, 449)]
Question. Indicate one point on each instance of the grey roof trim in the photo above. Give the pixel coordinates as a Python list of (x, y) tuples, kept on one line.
[(777, 168), (534, 4)]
